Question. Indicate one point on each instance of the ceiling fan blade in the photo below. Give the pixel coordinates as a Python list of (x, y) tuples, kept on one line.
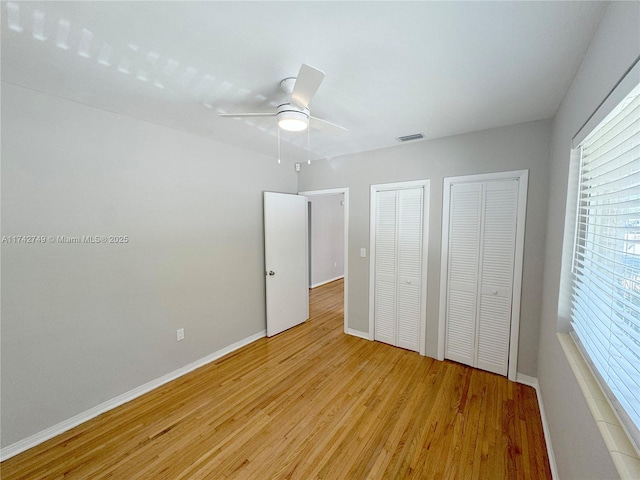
[(307, 83), (257, 114), (325, 126)]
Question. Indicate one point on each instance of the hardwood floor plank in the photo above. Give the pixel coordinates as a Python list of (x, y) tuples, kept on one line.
[(311, 402)]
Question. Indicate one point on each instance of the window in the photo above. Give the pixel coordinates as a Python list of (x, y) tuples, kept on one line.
[(605, 309)]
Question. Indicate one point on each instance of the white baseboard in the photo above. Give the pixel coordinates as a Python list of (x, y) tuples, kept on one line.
[(40, 437), (527, 380), (358, 333), (533, 382), (326, 281)]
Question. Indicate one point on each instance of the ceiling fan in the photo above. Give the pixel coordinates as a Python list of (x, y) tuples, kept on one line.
[(295, 116)]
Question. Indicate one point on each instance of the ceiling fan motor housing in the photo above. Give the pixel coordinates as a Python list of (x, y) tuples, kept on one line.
[(287, 85)]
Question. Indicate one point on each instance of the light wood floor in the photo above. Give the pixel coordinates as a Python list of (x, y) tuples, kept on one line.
[(309, 403)]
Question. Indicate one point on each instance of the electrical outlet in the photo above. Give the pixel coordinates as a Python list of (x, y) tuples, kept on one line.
[(180, 334)]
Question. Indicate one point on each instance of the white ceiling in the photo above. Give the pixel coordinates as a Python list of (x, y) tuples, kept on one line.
[(392, 68)]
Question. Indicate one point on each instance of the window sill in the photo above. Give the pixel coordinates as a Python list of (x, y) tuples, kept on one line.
[(622, 451)]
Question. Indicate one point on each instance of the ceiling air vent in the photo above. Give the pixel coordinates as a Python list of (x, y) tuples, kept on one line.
[(409, 138)]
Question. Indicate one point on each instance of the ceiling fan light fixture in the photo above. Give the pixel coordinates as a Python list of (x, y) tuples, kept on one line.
[(293, 121)]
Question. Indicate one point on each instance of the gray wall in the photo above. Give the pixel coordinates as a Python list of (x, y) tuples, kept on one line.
[(327, 238), (524, 146), (84, 323), (579, 450)]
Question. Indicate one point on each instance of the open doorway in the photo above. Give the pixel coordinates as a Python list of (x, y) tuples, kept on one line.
[(328, 239)]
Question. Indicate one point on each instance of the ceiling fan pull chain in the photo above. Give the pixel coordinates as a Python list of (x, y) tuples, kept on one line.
[(308, 147), (279, 162)]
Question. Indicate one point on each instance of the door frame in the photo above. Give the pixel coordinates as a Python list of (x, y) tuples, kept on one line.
[(523, 180), (425, 184), (337, 191)]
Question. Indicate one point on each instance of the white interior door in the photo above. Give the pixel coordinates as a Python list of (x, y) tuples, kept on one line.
[(386, 259), (483, 240), (462, 283), (495, 288), (286, 261), (410, 218), (398, 268)]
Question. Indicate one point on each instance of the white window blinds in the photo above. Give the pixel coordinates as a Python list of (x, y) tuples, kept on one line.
[(606, 263)]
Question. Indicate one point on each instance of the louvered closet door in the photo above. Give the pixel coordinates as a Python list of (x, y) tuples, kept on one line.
[(386, 265), (464, 252), (398, 267), (496, 275), (482, 235), (409, 268)]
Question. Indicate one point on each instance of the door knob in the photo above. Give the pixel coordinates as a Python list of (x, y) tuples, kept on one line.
[(271, 273), (495, 292)]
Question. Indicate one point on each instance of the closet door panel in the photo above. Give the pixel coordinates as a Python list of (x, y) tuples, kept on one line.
[(409, 267), (386, 270), (463, 265), (496, 275)]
